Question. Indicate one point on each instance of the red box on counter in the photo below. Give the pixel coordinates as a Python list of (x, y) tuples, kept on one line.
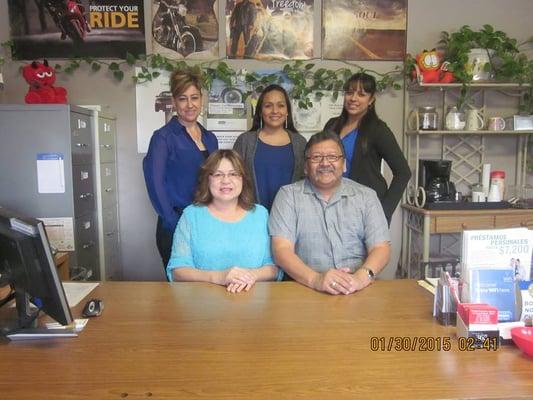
[(478, 314)]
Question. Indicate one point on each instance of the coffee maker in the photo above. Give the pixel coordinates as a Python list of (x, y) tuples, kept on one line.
[(434, 177)]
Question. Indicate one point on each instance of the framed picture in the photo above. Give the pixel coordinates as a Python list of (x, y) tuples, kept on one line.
[(185, 28), (364, 29), (269, 29), (82, 28)]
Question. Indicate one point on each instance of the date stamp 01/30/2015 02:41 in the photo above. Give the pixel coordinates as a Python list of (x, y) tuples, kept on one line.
[(430, 343)]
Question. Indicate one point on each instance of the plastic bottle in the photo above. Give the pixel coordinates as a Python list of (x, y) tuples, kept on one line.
[(498, 178)]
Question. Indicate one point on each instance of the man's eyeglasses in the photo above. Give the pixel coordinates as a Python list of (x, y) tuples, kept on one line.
[(318, 158), (230, 175)]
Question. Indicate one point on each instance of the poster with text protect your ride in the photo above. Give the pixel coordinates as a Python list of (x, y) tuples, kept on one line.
[(185, 28), (83, 28)]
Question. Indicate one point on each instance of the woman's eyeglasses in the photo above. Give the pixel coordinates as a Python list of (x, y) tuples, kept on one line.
[(230, 175)]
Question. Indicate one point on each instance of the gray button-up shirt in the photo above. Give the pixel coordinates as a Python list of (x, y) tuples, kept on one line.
[(329, 234)]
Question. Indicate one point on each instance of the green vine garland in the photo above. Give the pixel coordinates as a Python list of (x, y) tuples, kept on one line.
[(305, 77)]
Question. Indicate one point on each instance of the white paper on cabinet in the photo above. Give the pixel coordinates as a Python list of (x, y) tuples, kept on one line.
[(50, 173)]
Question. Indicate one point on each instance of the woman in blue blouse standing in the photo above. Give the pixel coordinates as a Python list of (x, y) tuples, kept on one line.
[(176, 152), (273, 149), (368, 141)]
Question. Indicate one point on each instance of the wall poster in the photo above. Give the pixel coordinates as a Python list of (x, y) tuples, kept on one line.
[(364, 29), (269, 29), (185, 28), (83, 28)]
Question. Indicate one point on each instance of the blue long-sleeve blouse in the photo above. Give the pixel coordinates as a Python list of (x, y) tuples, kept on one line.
[(171, 169)]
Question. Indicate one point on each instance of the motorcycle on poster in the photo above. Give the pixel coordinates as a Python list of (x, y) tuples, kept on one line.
[(170, 29), (83, 28), (69, 16)]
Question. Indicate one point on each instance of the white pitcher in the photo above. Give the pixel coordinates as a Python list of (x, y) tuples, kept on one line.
[(474, 120)]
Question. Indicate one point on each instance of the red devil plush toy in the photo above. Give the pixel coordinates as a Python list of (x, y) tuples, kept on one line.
[(41, 78)]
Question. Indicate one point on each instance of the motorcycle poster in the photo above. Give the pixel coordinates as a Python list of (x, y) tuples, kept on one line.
[(364, 29), (82, 28), (185, 28), (270, 29)]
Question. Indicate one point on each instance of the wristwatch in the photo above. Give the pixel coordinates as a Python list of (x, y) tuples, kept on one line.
[(370, 273)]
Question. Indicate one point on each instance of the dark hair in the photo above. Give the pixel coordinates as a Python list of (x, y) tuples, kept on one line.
[(203, 195), (322, 137), (367, 83), (256, 123), (182, 78)]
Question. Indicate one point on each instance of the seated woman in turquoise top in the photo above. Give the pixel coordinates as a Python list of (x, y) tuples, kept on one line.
[(222, 237)]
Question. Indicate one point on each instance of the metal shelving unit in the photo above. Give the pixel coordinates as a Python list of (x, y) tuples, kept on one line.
[(467, 149)]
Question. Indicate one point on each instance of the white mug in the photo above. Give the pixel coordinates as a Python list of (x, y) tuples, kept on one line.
[(474, 120), (496, 124), (478, 197)]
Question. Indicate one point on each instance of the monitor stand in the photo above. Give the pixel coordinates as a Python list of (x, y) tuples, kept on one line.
[(25, 327)]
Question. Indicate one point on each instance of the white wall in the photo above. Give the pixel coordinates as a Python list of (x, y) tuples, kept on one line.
[(140, 261)]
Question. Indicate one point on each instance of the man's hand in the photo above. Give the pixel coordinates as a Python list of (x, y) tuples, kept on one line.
[(361, 279), (335, 281)]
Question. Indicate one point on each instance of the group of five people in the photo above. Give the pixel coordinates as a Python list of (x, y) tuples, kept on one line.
[(329, 204)]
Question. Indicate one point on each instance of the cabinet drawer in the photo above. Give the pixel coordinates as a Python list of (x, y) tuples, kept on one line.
[(87, 243), (86, 238), (108, 180), (81, 140), (514, 221), (453, 224), (83, 189), (109, 216), (107, 140)]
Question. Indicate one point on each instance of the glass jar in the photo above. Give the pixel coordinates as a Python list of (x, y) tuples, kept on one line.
[(427, 118)]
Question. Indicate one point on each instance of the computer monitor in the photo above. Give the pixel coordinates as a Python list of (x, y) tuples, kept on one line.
[(27, 265)]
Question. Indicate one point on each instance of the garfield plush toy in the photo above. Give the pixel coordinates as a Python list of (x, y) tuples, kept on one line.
[(429, 68), (41, 78)]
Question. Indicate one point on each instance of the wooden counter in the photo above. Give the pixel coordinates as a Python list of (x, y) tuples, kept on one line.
[(279, 341)]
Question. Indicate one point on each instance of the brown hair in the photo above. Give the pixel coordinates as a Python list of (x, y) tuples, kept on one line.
[(203, 195), (360, 81), (182, 78)]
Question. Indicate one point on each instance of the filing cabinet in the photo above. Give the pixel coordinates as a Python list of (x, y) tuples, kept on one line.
[(67, 132), (105, 145)]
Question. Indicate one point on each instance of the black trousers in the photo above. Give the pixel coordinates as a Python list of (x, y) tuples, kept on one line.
[(163, 238)]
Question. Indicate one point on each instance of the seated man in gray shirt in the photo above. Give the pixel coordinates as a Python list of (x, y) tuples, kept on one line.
[(329, 232)]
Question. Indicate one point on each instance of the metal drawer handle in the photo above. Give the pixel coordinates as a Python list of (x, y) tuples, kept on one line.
[(109, 233), (107, 146), (85, 195), (88, 245), (82, 145), (109, 190)]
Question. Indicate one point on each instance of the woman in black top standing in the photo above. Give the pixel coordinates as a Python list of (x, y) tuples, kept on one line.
[(367, 141)]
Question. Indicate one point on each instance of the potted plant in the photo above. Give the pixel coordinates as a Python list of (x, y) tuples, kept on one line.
[(463, 47)]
